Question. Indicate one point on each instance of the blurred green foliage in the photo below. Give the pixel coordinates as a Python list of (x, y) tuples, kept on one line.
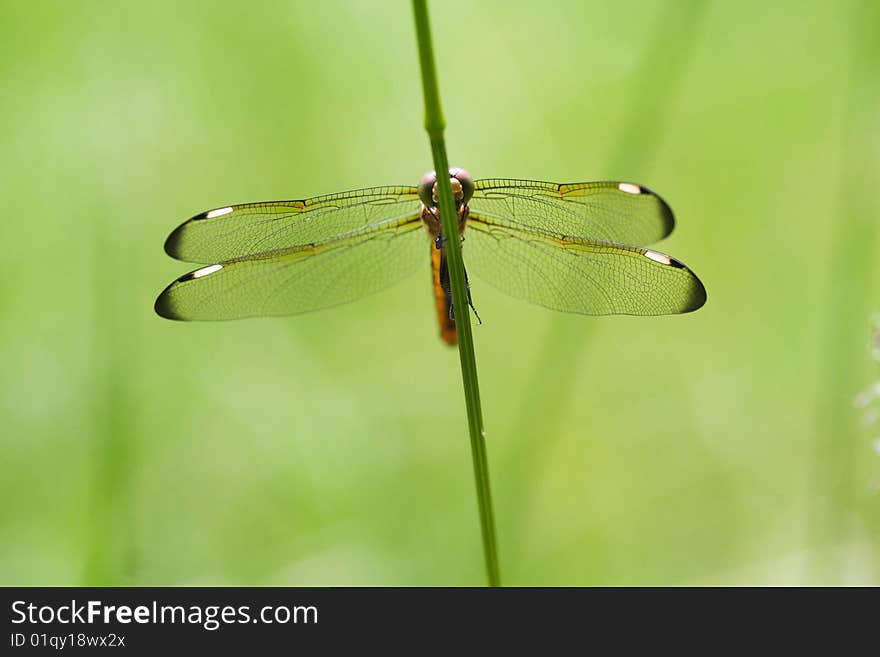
[(718, 447)]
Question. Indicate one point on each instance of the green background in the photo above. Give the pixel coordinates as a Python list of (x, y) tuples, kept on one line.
[(721, 447)]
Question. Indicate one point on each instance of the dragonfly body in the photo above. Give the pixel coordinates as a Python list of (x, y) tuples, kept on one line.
[(569, 247), (462, 190)]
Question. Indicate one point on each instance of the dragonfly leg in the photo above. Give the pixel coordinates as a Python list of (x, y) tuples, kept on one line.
[(470, 301)]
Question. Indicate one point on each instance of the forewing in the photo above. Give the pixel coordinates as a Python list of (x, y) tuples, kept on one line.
[(297, 279), (613, 211), (236, 231), (578, 275)]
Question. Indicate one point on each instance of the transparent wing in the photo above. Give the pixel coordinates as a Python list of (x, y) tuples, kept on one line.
[(240, 230), (613, 211), (577, 275), (298, 279)]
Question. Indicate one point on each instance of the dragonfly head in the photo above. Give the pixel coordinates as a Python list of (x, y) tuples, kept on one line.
[(462, 187)]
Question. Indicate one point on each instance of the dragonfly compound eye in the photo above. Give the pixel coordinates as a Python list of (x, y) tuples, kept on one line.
[(426, 189)]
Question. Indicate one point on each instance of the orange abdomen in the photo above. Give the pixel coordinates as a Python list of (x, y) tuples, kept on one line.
[(447, 325)]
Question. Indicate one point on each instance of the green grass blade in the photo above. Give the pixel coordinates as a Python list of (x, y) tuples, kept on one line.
[(434, 125)]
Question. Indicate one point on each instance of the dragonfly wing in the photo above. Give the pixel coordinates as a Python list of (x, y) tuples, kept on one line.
[(297, 279), (241, 230), (610, 211), (577, 275)]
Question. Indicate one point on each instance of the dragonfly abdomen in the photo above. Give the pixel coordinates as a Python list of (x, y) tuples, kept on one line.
[(441, 297)]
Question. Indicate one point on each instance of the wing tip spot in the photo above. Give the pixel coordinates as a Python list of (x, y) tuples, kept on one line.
[(199, 273), (632, 188), (662, 258), (211, 214)]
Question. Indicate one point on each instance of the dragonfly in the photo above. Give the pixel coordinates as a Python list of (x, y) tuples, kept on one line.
[(567, 247)]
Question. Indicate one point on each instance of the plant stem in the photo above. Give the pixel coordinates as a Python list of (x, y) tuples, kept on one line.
[(434, 125)]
